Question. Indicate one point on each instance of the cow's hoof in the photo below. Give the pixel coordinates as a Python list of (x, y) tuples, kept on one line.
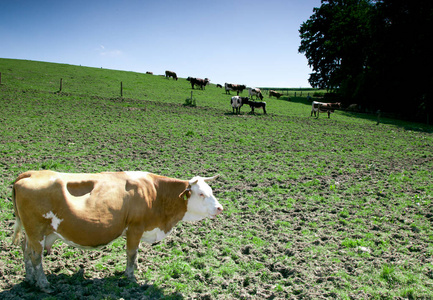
[(130, 277), (46, 289)]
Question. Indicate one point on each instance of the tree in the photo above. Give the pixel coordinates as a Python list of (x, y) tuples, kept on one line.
[(331, 39), (401, 67), (375, 53)]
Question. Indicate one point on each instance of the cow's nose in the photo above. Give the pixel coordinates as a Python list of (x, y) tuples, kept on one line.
[(219, 210)]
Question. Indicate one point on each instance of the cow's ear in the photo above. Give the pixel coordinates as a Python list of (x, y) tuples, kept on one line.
[(186, 193), (193, 181)]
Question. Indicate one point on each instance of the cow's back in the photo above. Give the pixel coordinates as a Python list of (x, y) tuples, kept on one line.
[(87, 210)]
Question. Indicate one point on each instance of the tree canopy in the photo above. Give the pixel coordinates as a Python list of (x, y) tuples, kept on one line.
[(374, 53)]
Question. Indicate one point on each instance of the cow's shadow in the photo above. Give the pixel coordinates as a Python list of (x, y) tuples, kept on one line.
[(78, 287)]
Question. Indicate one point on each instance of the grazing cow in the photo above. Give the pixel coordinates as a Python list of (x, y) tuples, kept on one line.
[(219, 86), (234, 87), (237, 102), (91, 210), (169, 74), (149, 73), (257, 104), (198, 81), (275, 94), (324, 107), (255, 92)]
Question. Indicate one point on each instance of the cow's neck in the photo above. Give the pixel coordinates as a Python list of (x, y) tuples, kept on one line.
[(171, 208)]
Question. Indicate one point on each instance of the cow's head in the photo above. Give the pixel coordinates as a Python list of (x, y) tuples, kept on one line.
[(201, 201), (244, 100)]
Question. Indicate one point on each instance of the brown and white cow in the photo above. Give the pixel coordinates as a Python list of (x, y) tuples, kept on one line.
[(324, 107), (234, 87), (169, 74), (275, 94), (255, 92), (91, 210)]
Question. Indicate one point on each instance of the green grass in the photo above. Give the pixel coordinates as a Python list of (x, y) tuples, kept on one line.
[(334, 208)]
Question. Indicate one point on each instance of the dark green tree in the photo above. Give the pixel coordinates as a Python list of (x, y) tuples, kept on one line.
[(331, 40), (401, 61), (375, 53)]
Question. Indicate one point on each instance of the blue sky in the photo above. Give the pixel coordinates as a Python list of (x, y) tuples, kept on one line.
[(247, 42)]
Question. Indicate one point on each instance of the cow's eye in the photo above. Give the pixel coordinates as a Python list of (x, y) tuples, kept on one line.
[(201, 195)]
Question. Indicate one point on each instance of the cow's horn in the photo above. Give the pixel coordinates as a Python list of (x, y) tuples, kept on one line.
[(211, 178)]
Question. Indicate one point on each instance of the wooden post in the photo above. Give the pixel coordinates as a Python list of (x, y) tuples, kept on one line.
[(121, 89), (61, 84), (378, 117)]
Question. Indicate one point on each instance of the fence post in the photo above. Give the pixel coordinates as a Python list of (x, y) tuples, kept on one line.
[(121, 89)]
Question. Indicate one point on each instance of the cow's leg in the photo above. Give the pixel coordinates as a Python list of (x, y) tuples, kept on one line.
[(264, 109), (132, 244), (33, 259), (30, 270), (329, 114)]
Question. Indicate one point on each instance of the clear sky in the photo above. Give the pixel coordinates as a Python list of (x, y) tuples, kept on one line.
[(247, 42)]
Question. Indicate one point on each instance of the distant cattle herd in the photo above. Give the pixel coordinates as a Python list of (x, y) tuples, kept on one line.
[(237, 102)]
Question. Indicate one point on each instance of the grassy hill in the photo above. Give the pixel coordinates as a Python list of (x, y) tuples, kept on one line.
[(77, 80), (313, 208)]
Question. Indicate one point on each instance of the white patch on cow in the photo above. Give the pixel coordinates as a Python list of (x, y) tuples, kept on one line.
[(154, 235), (43, 242), (55, 221), (71, 243), (136, 174)]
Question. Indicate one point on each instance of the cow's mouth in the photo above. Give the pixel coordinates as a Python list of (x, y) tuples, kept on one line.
[(219, 210)]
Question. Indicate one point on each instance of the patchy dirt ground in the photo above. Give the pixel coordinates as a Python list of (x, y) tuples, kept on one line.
[(323, 223), (312, 268)]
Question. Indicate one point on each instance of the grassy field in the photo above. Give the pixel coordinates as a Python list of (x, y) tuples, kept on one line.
[(314, 208)]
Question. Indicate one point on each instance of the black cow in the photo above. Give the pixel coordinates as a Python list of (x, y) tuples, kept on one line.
[(257, 104), (169, 74)]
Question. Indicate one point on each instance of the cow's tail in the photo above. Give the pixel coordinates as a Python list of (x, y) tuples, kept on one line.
[(18, 225)]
